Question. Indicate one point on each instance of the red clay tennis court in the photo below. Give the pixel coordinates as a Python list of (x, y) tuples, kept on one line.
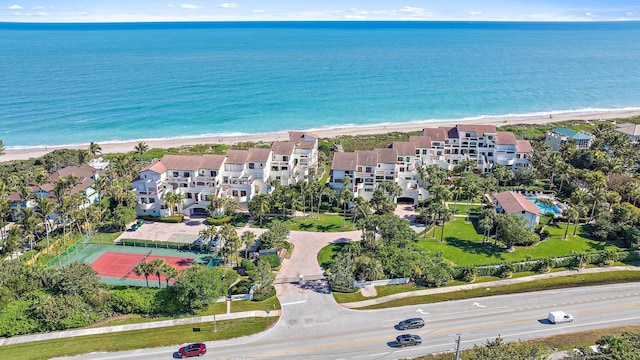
[(121, 265)]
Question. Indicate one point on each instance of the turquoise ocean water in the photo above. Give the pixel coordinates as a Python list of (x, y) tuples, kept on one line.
[(76, 83)]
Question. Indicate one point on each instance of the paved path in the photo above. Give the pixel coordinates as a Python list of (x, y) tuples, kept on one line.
[(488, 284)]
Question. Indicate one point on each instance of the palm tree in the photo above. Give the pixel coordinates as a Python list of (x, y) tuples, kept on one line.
[(29, 223), (260, 206), (444, 214), (248, 239), (172, 199), (486, 223), (45, 209), (94, 149), (360, 208), (1, 147), (141, 148), (143, 268), (572, 214), (155, 267), (169, 272), (345, 197), (546, 202)]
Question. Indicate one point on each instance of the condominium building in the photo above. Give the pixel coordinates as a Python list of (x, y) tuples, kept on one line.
[(442, 147), (240, 174)]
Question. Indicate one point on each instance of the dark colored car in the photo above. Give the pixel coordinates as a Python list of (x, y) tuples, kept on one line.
[(192, 350), (413, 323), (214, 241), (408, 340)]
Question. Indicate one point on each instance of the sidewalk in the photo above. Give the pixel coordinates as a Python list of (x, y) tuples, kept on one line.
[(139, 326), (488, 284)]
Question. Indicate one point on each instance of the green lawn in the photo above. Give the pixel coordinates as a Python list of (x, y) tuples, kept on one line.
[(461, 209), (327, 253), (312, 223), (136, 339), (538, 285), (462, 245)]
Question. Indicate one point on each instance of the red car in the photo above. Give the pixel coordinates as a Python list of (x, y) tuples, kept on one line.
[(192, 350)]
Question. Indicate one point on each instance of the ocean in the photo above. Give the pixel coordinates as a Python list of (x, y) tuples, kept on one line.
[(75, 83)]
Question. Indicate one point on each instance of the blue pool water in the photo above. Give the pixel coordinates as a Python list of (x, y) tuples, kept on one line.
[(553, 208)]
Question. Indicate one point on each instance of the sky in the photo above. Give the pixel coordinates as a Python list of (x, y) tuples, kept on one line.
[(310, 10)]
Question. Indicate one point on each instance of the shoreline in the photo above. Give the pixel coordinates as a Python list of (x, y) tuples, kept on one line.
[(503, 120)]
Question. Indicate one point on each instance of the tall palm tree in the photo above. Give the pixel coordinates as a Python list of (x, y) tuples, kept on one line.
[(45, 208), (444, 214), (346, 196), (1, 147), (143, 268), (169, 272), (141, 148), (360, 208), (94, 149), (260, 206), (155, 266), (248, 239), (572, 215), (29, 223)]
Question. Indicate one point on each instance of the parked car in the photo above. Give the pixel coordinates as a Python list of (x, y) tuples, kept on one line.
[(556, 317), (214, 241), (408, 340), (192, 350), (413, 323), (199, 241)]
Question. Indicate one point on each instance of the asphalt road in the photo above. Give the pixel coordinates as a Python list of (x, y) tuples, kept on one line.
[(313, 326)]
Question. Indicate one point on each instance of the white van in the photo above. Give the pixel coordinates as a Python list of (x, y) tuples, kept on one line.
[(556, 317)]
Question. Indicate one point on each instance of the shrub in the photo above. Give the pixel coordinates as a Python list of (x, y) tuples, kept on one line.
[(506, 271), (273, 260), (468, 273), (544, 265), (133, 301), (218, 221), (167, 219), (241, 287), (247, 265), (264, 293)]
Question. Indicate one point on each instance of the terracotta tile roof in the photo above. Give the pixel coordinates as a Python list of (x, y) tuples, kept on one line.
[(85, 171), (523, 146), (306, 145), (421, 142), (85, 184), (14, 197), (387, 156), (283, 147), (181, 162), (436, 134), (259, 154), (513, 203), (212, 162), (344, 161), (480, 130), (506, 138), (405, 148), (367, 158), (156, 166), (629, 129), (299, 135), (237, 156)]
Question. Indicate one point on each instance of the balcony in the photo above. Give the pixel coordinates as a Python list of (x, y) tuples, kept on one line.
[(147, 206), (179, 179), (505, 160)]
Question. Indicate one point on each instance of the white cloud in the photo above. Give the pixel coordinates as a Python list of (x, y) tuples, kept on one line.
[(257, 11), (588, 14), (38, 7), (15, 7), (475, 13), (228, 5), (17, 13), (189, 6), (42, 13), (354, 17), (415, 11)]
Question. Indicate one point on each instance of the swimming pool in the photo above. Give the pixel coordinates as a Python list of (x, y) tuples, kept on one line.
[(543, 209)]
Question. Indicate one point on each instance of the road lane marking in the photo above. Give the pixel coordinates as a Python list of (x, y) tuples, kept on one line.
[(294, 303)]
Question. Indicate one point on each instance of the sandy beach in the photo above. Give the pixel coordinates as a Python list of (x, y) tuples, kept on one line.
[(123, 147)]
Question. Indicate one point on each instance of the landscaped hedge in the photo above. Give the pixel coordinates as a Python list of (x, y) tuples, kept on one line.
[(218, 221), (166, 219)]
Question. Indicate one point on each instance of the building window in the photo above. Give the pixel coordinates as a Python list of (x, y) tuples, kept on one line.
[(213, 173), (183, 185), (369, 169), (285, 158), (252, 166), (185, 174), (189, 196), (152, 200), (399, 158), (243, 193), (176, 174), (424, 151), (234, 193)]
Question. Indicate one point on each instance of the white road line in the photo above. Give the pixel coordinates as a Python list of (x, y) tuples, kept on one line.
[(294, 302)]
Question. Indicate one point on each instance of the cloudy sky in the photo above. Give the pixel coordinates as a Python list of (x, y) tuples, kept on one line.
[(254, 10)]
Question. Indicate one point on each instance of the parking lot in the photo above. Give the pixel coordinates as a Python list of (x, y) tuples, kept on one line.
[(185, 232)]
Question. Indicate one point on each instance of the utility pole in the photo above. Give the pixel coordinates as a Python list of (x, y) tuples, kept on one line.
[(458, 335)]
